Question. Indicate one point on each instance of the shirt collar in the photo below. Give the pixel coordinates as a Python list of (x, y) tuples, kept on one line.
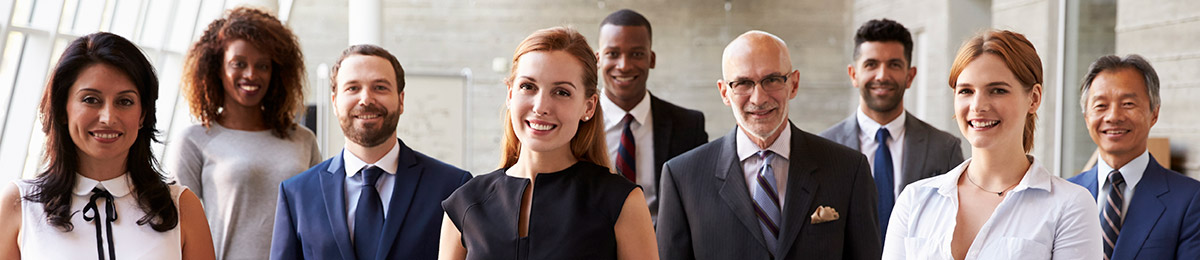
[(1037, 177), (782, 146), (118, 187), (388, 163), (1132, 171), (613, 114), (868, 126)]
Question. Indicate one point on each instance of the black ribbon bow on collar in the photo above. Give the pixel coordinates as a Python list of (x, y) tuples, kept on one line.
[(110, 213)]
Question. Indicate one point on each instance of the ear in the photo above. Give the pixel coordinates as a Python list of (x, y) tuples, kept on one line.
[(590, 103), (1035, 96), (400, 110), (597, 58), (850, 71), (795, 83), (912, 74), (1154, 115), (333, 100), (721, 87), (653, 59)]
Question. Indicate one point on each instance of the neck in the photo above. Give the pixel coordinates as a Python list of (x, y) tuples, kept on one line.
[(882, 117), (626, 103), (763, 143), (101, 169), (530, 163), (371, 155), (997, 170), (1120, 160), (242, 118)]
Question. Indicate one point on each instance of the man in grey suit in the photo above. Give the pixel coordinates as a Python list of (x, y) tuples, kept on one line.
[(766, 190), (882, 56)]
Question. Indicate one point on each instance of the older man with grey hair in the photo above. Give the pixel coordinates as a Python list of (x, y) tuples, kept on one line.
[(1146, 211)]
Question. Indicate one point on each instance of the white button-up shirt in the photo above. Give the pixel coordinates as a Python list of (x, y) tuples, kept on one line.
[(1132, 173), (867, 128), (642, 128), (1043, 217), (748, 154), (354, 181)]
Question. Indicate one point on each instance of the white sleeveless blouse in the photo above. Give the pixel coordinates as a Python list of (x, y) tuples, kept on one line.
[(40, 240)]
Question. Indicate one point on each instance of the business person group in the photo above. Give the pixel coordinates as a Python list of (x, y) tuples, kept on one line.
[(592, 164)]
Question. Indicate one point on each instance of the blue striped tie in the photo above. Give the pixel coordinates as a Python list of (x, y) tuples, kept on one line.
[(766, 201), (1111, 219)]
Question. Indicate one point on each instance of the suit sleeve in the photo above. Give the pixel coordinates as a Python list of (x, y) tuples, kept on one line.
[(674, 237), (700, 128), (1077, 234), (1189, 235), (285, 244), (862, 227)]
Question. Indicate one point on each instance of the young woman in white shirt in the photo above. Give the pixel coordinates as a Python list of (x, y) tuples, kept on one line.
[(1002, 203)]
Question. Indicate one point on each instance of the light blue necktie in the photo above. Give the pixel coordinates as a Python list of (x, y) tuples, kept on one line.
[(766, 201), (883, 179)]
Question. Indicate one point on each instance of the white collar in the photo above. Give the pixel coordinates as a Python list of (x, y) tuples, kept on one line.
[(868, 126), (1132, 171), (782, 146), (118, 187), (613, 114), (1037, 177), (388, 163)]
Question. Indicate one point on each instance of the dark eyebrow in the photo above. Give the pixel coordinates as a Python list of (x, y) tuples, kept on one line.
[(133, 91), (529, 79), (568, 83), (998, 84)]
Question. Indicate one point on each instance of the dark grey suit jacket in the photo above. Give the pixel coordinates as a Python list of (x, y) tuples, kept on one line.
[(676, 130), (927, 150), (706, 211)]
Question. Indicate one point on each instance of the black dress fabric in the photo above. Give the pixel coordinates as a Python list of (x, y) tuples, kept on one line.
[(572, 214)]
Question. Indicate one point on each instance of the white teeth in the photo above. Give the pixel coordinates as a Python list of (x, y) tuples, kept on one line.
[(988, 123), (249, 88), (1114, 132), (367, 116), (540, 127), (106, 136), (624, 78)]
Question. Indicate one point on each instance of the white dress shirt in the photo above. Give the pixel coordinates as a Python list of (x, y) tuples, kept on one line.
[(747, 152), (354, 180), (1132, 172), (867, 144), (642, 128), (1043, 217)]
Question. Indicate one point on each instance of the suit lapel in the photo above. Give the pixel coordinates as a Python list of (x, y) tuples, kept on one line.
[(1144, 211), (801, 188), (408, 174), (333, 189), (848, 134), (1088, 180), (733, 188), (662, 136), (916, 149)]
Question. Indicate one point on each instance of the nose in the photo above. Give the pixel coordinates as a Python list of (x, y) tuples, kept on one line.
[(981, 103), (1112, 115), (880, 75), (106, 115), (759, 95), (541, 105), (367, 98), (622, 62)]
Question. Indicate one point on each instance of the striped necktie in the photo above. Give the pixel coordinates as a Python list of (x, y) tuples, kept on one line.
[(626, 152), (766, 201), (1111, 218)]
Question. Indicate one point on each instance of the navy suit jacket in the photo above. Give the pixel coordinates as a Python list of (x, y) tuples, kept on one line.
[(1163, 218), (310, 221)]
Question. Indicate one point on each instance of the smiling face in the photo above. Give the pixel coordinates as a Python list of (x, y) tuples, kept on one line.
[(104, 113), (760, 113), (246, 74), (991, 105), (1119, 115), (625, 61), (367, 99), (547, 101), (881, 75)]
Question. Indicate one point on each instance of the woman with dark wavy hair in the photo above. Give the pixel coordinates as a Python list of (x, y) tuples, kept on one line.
[(98, 114), (243, 81)]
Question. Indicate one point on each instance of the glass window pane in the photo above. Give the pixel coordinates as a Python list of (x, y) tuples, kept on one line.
[(69, 12), (185, 20), (15, 43), (125, 17), (155, 25), (106, 17), (87, 19), (33, 157), (21, 12), (60, 45)]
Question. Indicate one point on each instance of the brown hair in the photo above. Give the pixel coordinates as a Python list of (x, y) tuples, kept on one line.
[(1020, 57), (588, 144), (202, 84), (368, 50)]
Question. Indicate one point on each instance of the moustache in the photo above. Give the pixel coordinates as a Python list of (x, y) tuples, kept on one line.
[(369, 109), (873, 84)]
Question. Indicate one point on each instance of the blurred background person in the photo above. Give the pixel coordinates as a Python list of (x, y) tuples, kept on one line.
[(244, 82), (1001, 203), (98, 114), (553, 148)]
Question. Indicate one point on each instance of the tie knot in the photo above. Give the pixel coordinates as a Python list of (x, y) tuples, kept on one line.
[(766, 156), (1116, 178), (882, 135), (628, 118), (370, 175)]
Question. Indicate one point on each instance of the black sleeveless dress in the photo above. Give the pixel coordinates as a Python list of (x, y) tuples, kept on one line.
[(571, 216)]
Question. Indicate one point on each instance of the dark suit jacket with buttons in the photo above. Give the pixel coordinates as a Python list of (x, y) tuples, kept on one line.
[(707, 211), (927, 150), (676, 130), (1163, 218), (310, 220)]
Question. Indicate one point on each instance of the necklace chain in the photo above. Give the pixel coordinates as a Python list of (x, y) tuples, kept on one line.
[(998, 193)]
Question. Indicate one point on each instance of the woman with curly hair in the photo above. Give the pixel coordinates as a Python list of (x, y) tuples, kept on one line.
[(101, 194), (243, 81)]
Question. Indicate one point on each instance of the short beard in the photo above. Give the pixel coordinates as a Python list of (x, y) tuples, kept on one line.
[(368, 137), (882, 104)]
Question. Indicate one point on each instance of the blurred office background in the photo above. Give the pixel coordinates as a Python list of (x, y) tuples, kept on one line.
[(457, 52)]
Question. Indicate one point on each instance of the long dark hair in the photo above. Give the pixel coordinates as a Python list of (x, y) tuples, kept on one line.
[(53, 187)]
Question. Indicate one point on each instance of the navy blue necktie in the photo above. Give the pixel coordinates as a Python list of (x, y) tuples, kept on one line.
[(368, 216), (883, 179), (1111, 218)]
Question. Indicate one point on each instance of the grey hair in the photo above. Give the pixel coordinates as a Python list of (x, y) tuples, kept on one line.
[(1112, 62)]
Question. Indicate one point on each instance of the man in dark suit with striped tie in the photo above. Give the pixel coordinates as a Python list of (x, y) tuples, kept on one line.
[(1146, 211), (643, 131), (766, 190)]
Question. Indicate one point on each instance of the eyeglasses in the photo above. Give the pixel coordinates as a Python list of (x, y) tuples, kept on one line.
[(770, 83)]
